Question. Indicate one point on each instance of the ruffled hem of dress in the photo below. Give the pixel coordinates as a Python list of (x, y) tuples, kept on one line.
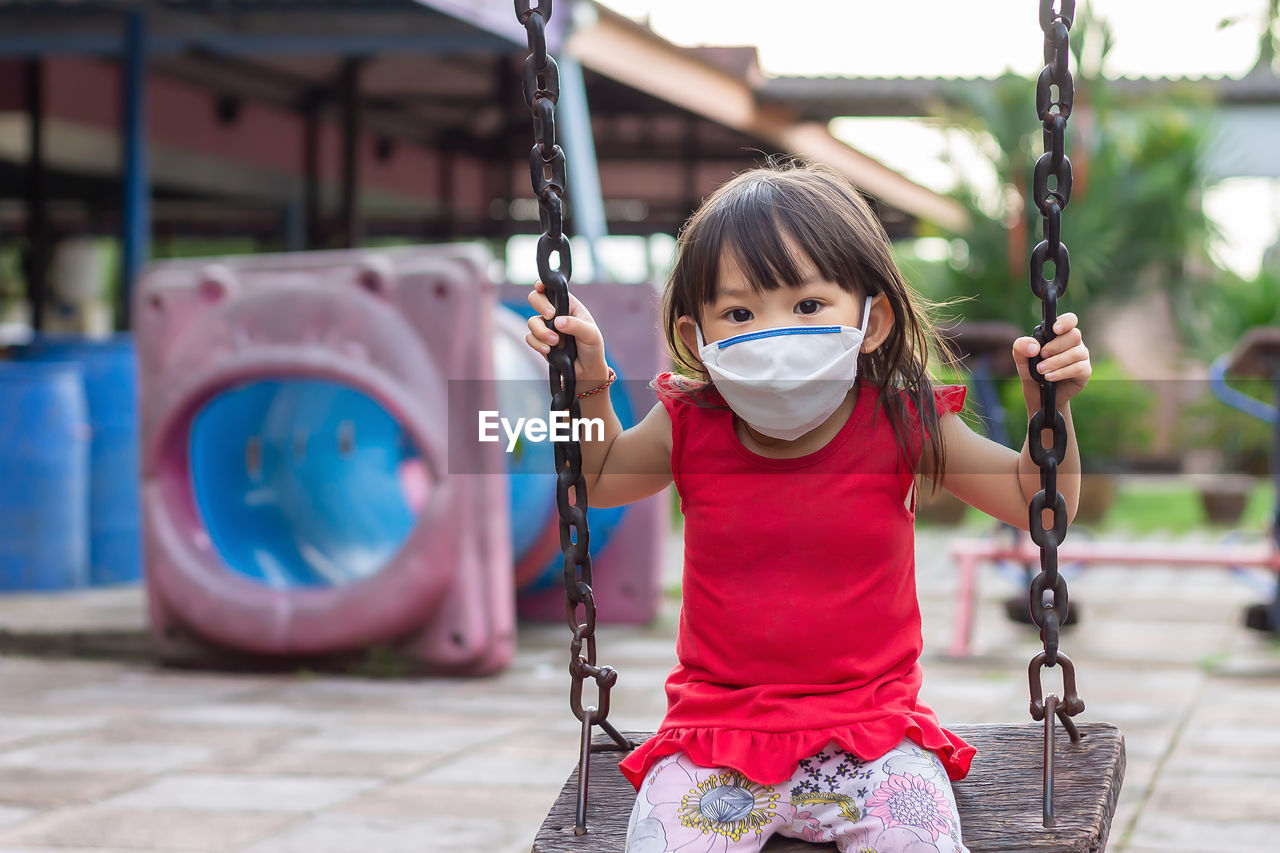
[(769, 758)]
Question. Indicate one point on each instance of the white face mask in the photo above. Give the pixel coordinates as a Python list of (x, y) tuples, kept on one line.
[(786, 381)]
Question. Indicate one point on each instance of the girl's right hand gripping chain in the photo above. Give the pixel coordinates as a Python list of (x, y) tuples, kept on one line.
[(591, 369)]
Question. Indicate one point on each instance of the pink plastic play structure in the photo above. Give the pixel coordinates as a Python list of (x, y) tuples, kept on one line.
[(385, 325), (312, 482)]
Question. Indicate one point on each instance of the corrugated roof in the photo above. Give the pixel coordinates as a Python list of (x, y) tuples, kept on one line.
[(827, 96)]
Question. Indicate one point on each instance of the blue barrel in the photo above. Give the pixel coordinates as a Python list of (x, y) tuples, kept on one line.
[(531, 467), (110, 372), (44, 477)]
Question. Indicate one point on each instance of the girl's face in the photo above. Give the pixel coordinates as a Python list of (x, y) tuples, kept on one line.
[(738, 308)]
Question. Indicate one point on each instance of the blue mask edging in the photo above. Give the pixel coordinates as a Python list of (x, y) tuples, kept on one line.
[(769, 333)]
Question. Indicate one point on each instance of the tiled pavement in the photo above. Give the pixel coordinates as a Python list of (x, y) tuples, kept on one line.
[(115, 756)]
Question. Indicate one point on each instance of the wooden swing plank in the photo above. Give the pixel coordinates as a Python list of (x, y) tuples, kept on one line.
[(999, 801)]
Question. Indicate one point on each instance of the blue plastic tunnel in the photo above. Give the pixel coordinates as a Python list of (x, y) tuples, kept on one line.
[(302, 482), (309, 483)]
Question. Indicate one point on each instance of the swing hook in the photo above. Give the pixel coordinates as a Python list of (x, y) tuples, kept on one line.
[(1046, 708)]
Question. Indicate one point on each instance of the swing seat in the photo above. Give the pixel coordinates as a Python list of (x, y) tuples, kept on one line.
[(1000, 801)]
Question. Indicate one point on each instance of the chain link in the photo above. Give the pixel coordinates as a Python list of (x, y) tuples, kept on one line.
[(1049, 602), (1051, 193), (541, 86)]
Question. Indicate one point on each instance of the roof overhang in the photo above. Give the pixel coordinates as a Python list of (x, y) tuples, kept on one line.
[(613, 45)]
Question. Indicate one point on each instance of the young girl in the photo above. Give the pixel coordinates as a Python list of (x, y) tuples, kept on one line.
[(794, 451)]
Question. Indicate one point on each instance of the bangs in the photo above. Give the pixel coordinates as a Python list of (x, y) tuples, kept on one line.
[(752, 222)]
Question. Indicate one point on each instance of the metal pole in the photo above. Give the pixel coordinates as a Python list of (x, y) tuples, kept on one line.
[(135, 226), (293, 227), (1274, 370), (352, 227), (446, 217), (36, 263), (586, 198), (311, 220)]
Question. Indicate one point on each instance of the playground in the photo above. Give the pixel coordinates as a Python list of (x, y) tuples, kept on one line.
[(312, 438), (116, 755)]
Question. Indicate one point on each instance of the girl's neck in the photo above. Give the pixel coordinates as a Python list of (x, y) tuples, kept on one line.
[(811, 442)]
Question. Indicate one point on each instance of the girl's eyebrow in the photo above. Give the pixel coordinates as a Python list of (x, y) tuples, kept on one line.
[(722, 292)]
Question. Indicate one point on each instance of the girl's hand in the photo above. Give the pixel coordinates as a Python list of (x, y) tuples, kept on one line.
[(591, 367), (1065, 361)]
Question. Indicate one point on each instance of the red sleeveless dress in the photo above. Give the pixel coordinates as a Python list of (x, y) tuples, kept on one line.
[(800, 623)]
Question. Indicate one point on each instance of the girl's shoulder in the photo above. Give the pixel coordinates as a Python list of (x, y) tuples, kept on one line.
[(669, 384), (949, 398), (677, 391), (946, 398)]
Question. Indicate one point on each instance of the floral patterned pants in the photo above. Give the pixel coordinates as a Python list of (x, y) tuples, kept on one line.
[(899, 803)]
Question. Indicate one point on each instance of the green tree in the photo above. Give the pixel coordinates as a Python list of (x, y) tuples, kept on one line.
[(1135, 215), (1268, 38)]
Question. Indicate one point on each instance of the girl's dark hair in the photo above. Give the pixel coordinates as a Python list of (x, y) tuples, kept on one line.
[(827, 218)]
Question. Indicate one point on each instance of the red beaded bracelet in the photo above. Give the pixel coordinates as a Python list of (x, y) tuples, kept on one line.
[(599, 388)]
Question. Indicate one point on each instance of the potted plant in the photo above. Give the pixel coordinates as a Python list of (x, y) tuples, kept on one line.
[(1232, 446), (940, 508), (1222, 446), (1112, 421)]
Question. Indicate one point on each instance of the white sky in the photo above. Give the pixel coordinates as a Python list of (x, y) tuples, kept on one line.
[(982, 38), (947, 37)]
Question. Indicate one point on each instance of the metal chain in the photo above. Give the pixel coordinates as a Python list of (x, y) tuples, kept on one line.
[(547, 171), (1049, 589)]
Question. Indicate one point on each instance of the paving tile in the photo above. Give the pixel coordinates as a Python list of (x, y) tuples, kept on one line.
[(415, 800), (104, 608), (1181, 834), (1126, 815), (1226, 797), (1150, 742), (285, 760), (249, 714), (1189, 763), (153, 830), (27, 680), (494, 771), (214, 738), (89, 754), (15, 728), (69, 849), (135, 690), (425, 740), (354, 692), (43, 788), (227, 792), (1258, 739), (347, 833)]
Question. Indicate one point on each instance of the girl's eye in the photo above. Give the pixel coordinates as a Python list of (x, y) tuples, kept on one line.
[(740, 315), (808, 306)]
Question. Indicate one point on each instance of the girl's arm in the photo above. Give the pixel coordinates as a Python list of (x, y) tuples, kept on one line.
[(994, 478), (628, 464), (619, 467)]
